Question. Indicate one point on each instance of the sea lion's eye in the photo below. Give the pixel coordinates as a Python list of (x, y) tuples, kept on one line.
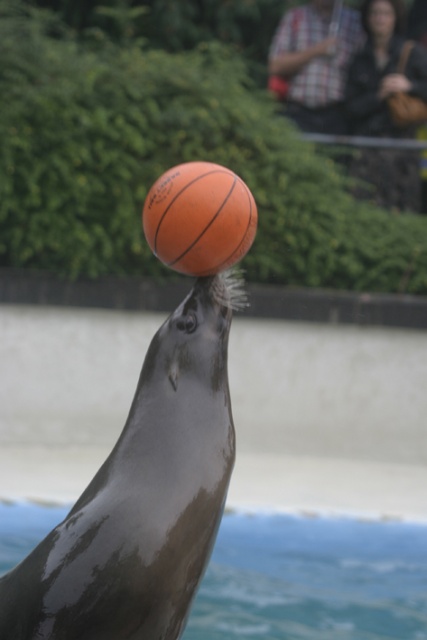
[(188, 323)]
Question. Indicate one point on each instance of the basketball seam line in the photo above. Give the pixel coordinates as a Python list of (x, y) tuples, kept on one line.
[(208, 173), (202, 233), (218, 266)]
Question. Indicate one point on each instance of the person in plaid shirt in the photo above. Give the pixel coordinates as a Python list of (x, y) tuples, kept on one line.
[(315, 60)]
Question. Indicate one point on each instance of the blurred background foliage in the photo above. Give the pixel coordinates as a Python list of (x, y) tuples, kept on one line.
[(100, 99)]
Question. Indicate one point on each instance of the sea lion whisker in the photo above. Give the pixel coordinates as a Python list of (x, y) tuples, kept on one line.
[(228, 289)]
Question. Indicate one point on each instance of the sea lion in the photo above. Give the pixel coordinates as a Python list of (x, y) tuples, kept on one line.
[(127, 560)]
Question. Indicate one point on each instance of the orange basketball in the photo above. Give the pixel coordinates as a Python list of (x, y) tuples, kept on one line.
[(199, 218)]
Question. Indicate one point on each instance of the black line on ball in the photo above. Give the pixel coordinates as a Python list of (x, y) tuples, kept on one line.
[(210, 223), (223, 264), (165, 212)]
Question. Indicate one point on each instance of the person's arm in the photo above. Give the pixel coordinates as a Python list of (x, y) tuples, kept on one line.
[(290, 62), (394, 83), (415, 82)]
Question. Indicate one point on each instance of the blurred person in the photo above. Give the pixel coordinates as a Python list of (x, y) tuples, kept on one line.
[(372, 77), (372, 74), (311, 49)]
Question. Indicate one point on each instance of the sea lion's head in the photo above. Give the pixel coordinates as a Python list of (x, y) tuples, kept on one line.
[(212, 300), (194, 339)]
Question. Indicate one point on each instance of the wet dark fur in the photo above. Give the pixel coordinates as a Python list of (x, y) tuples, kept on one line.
[(127, 560)]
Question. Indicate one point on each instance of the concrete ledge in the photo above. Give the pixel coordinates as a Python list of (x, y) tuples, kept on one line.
[(260, 482), (267, 301)]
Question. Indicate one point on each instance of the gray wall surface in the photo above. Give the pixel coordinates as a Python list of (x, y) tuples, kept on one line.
[(67, 377)]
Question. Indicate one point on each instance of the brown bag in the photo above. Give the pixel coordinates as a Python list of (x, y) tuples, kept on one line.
[(404, 108)]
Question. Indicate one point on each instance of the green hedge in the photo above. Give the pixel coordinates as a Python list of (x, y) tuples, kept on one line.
[(86, 132)]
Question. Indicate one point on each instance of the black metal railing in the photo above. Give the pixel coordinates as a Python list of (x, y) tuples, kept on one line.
[(391, 167), (407, 144)]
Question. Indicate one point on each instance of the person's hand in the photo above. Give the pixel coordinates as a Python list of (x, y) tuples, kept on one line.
[(394, 83), (327, 46), (290, 62)]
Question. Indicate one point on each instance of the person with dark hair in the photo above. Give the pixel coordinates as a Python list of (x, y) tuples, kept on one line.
[(372, 74), (311, 48), (372, 77)]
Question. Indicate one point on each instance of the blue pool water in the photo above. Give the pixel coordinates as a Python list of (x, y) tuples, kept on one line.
[(279, 577)]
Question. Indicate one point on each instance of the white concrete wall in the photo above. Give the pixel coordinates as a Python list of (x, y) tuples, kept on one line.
[(67, 377)]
